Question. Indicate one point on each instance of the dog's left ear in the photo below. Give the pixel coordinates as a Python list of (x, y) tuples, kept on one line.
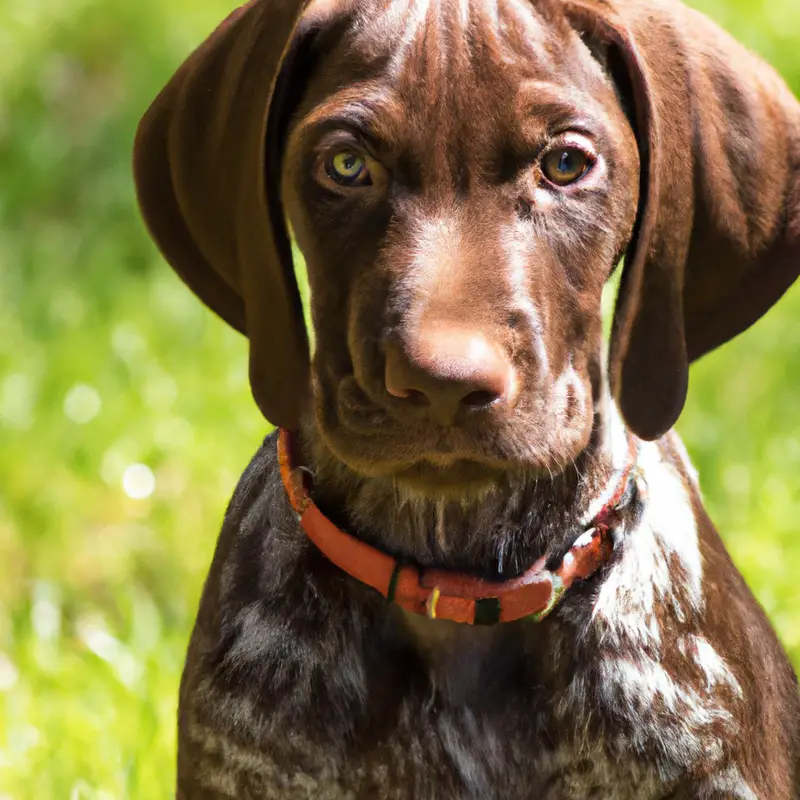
[(717, 240), (207, 168)]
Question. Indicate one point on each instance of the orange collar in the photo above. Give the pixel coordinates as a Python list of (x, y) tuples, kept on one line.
[(457, 596)]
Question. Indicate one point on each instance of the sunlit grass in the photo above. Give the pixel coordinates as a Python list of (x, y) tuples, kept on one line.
[(125, 416)]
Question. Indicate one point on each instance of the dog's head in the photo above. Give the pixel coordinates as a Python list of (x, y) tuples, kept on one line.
[(462, 177)]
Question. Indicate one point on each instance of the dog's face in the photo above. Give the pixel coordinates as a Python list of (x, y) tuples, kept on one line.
[(462, 183), (462, 177)]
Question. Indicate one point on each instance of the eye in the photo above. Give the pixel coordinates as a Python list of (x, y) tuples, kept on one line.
[(565, 165), (348, 168)]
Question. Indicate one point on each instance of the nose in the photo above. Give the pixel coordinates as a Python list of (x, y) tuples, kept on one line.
[(446, 370)]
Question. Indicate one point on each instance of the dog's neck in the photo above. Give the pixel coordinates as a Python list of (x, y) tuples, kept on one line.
[(497, 532)]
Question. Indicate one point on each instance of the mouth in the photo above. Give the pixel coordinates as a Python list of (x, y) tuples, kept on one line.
[(426, 460), (449, 461)]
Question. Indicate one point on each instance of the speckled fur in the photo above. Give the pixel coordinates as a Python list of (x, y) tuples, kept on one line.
[(660, 677), (302, 684)]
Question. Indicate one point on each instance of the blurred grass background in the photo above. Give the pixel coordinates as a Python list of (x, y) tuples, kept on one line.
[(125, 416)]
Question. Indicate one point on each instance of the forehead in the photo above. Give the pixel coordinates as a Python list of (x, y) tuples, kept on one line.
[(456, 62), (440, 36)]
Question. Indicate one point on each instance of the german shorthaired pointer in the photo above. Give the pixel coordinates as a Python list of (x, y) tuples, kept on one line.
[(474, 563)]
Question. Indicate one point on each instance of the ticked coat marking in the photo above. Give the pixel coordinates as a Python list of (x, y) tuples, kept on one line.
[(658, 677), (607, 661)]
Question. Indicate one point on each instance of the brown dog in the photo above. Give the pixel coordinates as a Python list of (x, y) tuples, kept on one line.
[(462, 177)]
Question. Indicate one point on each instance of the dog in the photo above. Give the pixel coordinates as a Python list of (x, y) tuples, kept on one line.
[(474, 562)]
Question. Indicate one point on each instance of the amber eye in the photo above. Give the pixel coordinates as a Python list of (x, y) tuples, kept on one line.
[(565, 165), (348, 168)]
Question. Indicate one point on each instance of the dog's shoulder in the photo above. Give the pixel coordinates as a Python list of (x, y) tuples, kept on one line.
[(276, 662), (674, 647)]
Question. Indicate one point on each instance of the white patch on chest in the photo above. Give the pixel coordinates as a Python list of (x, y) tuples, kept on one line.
[(732, 784), (710, 663), (654, 700), (645, 574), (656, 579)]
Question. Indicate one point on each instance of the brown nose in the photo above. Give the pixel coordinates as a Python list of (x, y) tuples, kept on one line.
[(448, 369)]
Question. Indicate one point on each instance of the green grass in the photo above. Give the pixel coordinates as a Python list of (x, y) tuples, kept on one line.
[(106, 361)]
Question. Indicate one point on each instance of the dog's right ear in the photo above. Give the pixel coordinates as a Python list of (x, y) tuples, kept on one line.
[(207, 169)]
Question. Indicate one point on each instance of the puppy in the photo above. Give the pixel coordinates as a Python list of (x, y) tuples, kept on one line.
[(475, 562)]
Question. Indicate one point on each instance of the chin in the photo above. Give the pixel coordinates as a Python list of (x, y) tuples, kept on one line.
[(458, 479)]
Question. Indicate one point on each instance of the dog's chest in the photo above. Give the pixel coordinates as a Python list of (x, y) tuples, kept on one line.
[(437, 747), (479, 728), (616, 696), (456, 755)]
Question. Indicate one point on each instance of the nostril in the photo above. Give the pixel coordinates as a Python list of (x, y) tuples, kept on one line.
[(417, 398), (479, 399)]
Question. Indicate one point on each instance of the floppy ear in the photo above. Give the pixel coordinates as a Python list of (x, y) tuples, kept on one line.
[(717, 240), (206, 165)]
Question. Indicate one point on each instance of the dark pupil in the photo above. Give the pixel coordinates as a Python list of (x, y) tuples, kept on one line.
[(569, 162), (350, 161)]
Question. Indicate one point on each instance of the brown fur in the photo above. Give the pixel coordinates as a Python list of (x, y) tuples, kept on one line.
[(300, 683)]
